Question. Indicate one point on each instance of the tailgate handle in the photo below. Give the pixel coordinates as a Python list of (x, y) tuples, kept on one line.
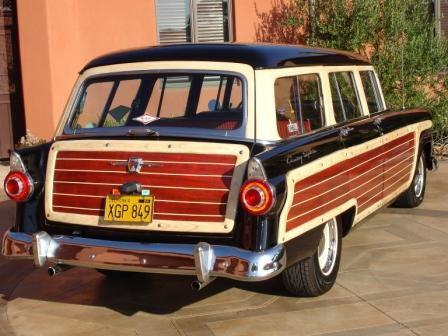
[(130, 188)]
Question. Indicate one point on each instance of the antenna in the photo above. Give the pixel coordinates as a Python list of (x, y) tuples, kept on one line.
[(402, 73)]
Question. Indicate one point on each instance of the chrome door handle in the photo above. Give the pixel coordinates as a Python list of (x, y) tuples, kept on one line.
[(377, 122), (345, 131)]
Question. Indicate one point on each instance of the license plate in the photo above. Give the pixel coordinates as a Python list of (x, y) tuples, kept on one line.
[(129, 208)]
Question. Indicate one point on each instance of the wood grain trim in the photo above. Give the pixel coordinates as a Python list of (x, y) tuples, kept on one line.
[(188, 195), (187, 168), (225, 191), (312, 168), (189, 181), (210, 159)]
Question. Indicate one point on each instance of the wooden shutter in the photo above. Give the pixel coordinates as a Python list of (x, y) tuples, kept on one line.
[(209, 20), (173, 21)]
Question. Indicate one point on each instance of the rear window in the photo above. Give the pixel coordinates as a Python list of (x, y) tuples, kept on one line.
[(211, 101)]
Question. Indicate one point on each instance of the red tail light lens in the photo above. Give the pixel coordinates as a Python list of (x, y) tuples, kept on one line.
[(257, 197), (18, 186)]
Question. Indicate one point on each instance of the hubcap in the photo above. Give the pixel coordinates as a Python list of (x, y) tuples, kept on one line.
[(419, 178), (328, 247)]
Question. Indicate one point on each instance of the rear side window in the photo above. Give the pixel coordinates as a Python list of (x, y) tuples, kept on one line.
[(298, 105), (345, 98), (371, 91), (211, 101)]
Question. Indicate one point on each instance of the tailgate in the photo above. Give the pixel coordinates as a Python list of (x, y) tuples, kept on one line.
[(195, 184)]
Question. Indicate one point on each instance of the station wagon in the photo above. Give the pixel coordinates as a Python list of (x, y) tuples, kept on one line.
[(241, 161)]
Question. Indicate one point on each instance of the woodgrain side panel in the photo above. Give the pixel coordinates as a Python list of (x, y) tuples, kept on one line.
[(365, 176)]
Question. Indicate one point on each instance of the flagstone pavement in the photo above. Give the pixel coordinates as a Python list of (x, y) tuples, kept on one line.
[(393, 281)]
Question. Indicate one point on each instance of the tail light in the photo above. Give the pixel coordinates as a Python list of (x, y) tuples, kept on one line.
[(257, 197), (18, 184)]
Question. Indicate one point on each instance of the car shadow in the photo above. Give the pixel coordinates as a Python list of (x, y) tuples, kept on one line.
[(127, 293)]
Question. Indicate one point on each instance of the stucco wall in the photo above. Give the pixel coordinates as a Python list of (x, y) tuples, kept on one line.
[(246, 17), (57, 37)]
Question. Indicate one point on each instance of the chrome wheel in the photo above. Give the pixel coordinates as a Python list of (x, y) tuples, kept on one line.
[(328, 247), (419, 178)]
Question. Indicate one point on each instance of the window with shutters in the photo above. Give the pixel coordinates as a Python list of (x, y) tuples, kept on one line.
[(181, 21)]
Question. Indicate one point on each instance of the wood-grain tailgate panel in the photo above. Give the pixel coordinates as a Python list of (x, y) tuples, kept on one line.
[(188, 188)]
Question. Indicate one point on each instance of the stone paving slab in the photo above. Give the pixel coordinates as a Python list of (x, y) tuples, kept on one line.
[(393, 281)]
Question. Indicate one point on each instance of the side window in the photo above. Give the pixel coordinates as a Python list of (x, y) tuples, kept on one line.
[(371, 91), (345, 98), (298, 105)]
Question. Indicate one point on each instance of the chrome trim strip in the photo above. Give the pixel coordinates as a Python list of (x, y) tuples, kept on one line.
[(203, 260)]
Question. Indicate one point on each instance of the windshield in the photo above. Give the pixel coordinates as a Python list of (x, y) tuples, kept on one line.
[(199, 100)]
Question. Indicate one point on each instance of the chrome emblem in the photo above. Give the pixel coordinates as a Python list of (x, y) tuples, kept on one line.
[(135, 164)]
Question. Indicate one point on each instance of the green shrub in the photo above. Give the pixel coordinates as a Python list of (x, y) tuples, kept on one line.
[(396, 35)]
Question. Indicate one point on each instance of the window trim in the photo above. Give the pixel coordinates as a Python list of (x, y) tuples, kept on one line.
[(68, 131)]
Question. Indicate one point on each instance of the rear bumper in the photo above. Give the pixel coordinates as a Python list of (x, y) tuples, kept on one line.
[(203, 260)]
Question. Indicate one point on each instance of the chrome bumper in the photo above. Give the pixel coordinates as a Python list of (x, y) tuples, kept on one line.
[(203, 260)]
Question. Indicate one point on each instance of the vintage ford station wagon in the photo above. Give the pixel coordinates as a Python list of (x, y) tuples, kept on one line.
[(217, 160)]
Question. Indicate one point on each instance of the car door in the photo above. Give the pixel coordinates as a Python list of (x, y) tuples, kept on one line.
[(361, 136)]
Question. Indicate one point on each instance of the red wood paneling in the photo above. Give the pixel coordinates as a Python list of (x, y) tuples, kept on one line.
[(147, 180), (180, 181), (180, 157), (361, 177)]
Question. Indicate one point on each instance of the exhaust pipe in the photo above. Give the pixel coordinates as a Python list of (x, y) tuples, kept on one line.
[(197, 285), (57, 268)]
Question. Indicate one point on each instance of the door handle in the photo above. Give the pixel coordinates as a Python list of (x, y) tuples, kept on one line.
[(377, 123), (345, 131)]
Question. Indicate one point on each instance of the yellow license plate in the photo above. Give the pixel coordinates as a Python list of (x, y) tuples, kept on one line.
[(129, 208)]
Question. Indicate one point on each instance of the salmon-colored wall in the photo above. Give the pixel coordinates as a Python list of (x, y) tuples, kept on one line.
[(246, 17), (58, 37)]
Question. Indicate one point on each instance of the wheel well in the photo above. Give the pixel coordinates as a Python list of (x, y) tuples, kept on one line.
[(347, 218)]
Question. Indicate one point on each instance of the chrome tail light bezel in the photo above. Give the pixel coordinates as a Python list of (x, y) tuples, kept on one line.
[(18, 171)]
